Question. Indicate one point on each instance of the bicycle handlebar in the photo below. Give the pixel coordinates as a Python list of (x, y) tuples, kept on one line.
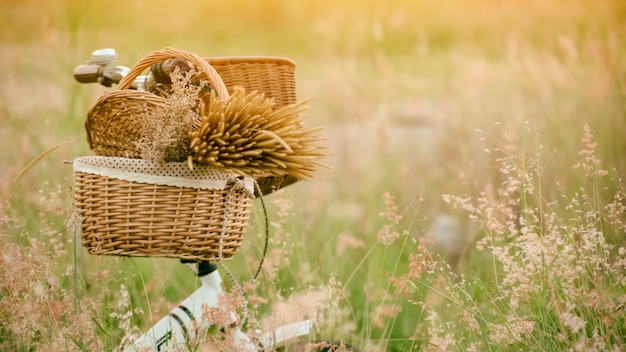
[(101, 68), (88, 73)]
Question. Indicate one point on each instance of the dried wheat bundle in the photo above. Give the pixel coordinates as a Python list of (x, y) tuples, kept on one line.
[(245, 134)]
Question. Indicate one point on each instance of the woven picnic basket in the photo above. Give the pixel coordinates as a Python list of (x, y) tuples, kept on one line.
[(134, 207), (114, 122), (129, 206)]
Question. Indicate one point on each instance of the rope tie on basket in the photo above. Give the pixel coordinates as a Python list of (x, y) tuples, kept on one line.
[(233, 184), (237, 184), (267, 229)]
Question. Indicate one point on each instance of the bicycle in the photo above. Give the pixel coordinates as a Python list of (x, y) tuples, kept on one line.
[(183, 323)]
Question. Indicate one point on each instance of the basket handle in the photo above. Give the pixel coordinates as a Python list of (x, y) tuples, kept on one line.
[(170, 53)]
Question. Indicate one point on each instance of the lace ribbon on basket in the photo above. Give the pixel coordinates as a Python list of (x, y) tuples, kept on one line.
[(175, 174)]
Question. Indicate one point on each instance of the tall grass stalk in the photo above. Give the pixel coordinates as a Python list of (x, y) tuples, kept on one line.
[(560, 282)]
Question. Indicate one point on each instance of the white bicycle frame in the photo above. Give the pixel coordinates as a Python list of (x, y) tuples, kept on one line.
[(185, 323)]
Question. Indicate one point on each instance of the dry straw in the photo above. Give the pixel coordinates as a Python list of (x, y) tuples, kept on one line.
[(165, 135), (247, 135)]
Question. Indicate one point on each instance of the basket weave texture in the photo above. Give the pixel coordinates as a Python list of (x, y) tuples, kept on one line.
[(128, 216), (143, 220)]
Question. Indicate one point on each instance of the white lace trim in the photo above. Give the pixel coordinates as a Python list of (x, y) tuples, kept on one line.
[(175, 174)]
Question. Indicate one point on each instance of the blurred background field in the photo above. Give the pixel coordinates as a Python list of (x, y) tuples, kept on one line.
[(419, 99)]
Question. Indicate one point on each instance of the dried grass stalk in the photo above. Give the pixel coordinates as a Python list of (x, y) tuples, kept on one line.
[(245, 134), (166, 132)]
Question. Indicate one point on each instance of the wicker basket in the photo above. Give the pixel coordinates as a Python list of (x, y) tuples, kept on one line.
[(133, 207), (114, 122)]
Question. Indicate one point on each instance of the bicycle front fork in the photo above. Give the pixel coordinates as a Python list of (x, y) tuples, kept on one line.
[(185, 322)]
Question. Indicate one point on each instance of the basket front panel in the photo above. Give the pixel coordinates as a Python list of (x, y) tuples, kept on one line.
[(135, 219)]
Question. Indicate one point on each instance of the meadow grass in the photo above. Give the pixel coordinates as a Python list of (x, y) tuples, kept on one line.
[(500, 124)]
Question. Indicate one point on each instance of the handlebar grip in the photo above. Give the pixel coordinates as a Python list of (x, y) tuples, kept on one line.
[(88, 73), (162, 70)]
